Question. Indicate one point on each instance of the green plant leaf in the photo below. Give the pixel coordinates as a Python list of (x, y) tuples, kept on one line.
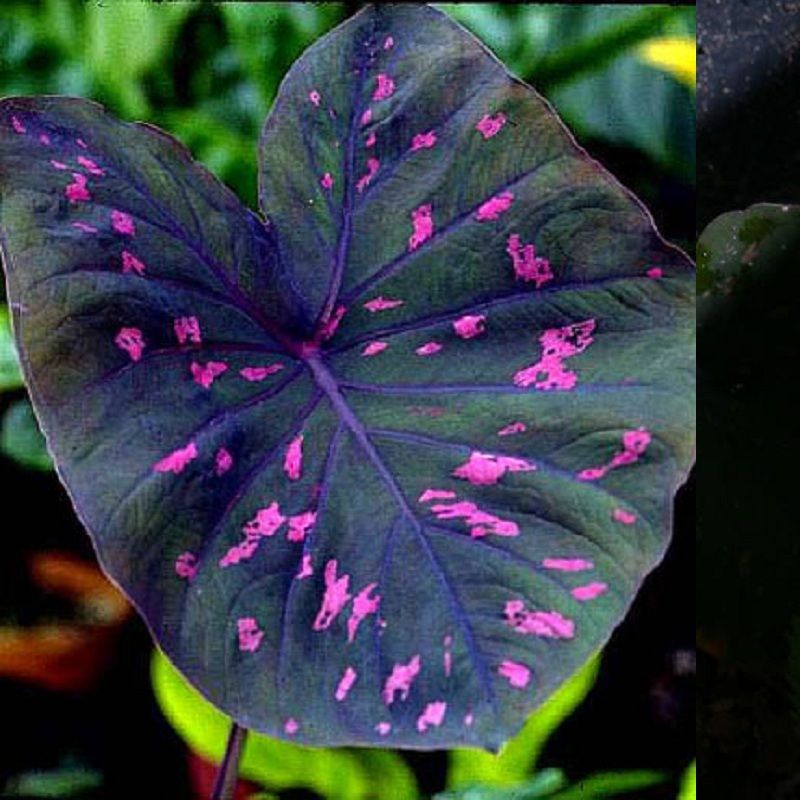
[(21, 439), (518, 757), (10, 373), (340, 774), (544, 784), (688, 790), (610, 784), (748, 329)]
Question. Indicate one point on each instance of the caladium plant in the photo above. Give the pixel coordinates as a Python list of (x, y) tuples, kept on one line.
[(387, 462)]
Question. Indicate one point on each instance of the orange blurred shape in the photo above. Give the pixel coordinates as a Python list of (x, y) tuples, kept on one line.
[(69, 655)]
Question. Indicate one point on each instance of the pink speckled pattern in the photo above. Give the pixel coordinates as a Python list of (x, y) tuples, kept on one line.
[(422, 223), (518, 675), (527, 265), (558, 344), (400, 680), (470, 325), (335, 598), (363, 605), (131, 341), (177, 460), (345, 684), (249, 634), (489, 126), (494, 207), (432, 715)]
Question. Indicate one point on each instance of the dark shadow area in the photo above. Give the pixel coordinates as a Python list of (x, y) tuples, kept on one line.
[(748, 545), (748, 58)]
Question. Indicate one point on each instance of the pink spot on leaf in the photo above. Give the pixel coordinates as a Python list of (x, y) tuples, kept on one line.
[(84, 227), (589, 591), (122, 223), (557, 344), (383, 728), (518, 675), (373, 348), (547, 624), (306, 570), (81, 143), (469, 718), (388, 43), (345, 683), (17, 125), (382, 304), (370, 140), (436, 494), (131, 341), (177, 460), (300, 525), (512, 429), (90, 166), (485, 468), (447, 657), (568, 564), (291, 726), (187, 329), (634, 444), (326, 181), (372, 167), (330, 327), (655, 272), (400, 679), (264, 524), (335, 598), (255, 374), (58, 164), (384, 87), (623, 516), (205, 375), (494, 207), (223, 461), (491, 126), (363, 605), (422, 223), (432, 715), (314, 98), (186, 565), (293, 459), (481, 522), (44, 138), (366, 117), (249, 635), (423, 141), (132, 264), (428, 349), (470, 325), (77, 191), (527, 265)]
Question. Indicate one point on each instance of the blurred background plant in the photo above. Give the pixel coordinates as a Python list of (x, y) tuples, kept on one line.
[(622, 78)]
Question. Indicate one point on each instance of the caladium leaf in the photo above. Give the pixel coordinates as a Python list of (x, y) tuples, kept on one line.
[(388, 467)]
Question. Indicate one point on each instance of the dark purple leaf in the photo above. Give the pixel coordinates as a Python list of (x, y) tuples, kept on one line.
[(388, 468)]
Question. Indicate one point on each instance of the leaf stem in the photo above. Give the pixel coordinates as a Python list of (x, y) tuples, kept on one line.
[(225, 784)]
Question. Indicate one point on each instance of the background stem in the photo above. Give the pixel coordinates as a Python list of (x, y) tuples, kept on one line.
[(225, 783)]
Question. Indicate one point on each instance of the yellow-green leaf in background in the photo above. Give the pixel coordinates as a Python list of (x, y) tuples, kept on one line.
[(674, 54), (10, 375), (517, 759), (689, 783), (340, 774)]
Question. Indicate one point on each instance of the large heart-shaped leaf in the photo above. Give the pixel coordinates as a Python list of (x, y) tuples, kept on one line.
[(389, 467)]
